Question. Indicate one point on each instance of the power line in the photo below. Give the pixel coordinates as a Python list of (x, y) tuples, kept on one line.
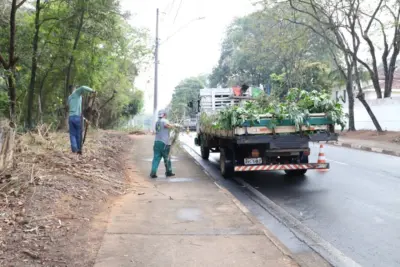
[(181, 28), (172, 6), (169, 7), (177, 12)]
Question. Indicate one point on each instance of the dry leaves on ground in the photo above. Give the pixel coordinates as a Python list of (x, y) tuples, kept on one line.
[(386, 136), (48, 202)]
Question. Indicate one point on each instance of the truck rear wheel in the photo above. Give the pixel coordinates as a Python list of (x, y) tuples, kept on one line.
[(225, 163), (205, 152), (298, 173)]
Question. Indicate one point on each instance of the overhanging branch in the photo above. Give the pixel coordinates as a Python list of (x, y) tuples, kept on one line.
[(3, 62), (21, 3)]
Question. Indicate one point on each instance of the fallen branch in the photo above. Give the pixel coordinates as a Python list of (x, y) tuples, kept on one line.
[(31, 254)]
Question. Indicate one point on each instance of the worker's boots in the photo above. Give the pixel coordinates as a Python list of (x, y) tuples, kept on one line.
[(168, 174)]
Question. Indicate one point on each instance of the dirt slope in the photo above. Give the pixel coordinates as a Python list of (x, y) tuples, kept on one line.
[(53, 206)]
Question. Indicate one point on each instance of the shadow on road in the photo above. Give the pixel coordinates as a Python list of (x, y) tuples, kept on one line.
[(274, 180), (279, 186)]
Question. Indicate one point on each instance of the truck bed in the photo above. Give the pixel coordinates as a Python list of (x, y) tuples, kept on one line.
[(317, 123)]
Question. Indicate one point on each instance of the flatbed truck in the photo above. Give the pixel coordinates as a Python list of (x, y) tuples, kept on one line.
[(262, 146)]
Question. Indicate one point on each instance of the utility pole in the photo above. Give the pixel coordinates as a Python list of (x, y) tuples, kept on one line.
[(156, 71)]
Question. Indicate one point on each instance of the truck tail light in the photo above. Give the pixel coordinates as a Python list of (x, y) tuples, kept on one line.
[(306, 153), (255, 153)]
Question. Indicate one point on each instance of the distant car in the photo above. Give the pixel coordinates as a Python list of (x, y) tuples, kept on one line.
[(191, 124)]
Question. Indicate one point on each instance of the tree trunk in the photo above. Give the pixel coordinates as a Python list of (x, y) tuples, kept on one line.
[(40, 104), (69, 68), (7, 137), (349, 88), (377, 87), (350, 94), (390, 75), (71, 58), (11, 65), (388, 84), (40, 114), (97, 120), (361, 97), (12, 94), (34, 67), (7, 132), (388, 81)]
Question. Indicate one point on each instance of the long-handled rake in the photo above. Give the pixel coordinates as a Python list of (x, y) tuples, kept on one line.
[(85, 126)]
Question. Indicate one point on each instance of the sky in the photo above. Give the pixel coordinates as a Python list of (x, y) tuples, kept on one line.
[(189, 46)]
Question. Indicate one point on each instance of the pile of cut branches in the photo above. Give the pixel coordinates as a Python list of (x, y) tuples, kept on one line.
[(50, 198)]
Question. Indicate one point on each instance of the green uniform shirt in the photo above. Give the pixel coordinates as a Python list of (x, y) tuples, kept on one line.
[(75, 100)]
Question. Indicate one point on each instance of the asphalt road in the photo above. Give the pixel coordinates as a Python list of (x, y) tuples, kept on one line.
[(355, 206)]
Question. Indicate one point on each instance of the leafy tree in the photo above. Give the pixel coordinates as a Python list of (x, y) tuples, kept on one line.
[(80, 42), (186, 91), (9, 61), (261, 44), (314, 76), (340, 24), (375, 26), (134, 106)]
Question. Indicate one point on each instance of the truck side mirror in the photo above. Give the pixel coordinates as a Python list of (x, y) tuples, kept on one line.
[(198, 105)]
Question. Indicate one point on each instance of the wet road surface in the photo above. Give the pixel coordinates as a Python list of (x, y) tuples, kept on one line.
[(355, 206)]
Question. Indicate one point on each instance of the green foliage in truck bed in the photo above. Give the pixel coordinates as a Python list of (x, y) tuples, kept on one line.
[(295, 108)]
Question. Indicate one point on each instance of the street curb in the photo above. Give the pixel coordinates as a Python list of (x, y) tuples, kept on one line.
[(366, 148), (332, 255)]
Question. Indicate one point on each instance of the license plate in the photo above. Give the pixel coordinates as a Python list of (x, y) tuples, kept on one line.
[(252, 161)]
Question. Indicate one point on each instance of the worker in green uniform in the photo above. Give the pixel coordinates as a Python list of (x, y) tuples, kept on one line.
[(75, 121), (162, 145)]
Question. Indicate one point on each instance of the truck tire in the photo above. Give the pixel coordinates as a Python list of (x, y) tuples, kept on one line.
[(225, 163), (298, 173), (205, 152)]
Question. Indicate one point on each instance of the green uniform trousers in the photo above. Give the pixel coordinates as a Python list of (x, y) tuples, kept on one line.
[(161, 150)]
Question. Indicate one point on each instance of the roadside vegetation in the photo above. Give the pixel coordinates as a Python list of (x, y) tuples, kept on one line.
[(49, 199), (311, 45)]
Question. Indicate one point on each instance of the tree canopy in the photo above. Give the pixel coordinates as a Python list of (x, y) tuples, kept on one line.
[(77, 42), (260, 47), (186, 91)]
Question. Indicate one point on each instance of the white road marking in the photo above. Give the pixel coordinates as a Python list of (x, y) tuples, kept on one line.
[(338, 162)]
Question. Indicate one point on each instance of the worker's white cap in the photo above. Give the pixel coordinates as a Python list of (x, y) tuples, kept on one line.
[(162, 113)]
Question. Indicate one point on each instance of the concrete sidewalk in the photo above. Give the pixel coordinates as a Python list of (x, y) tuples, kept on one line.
[(183, 221), (370, 145)]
